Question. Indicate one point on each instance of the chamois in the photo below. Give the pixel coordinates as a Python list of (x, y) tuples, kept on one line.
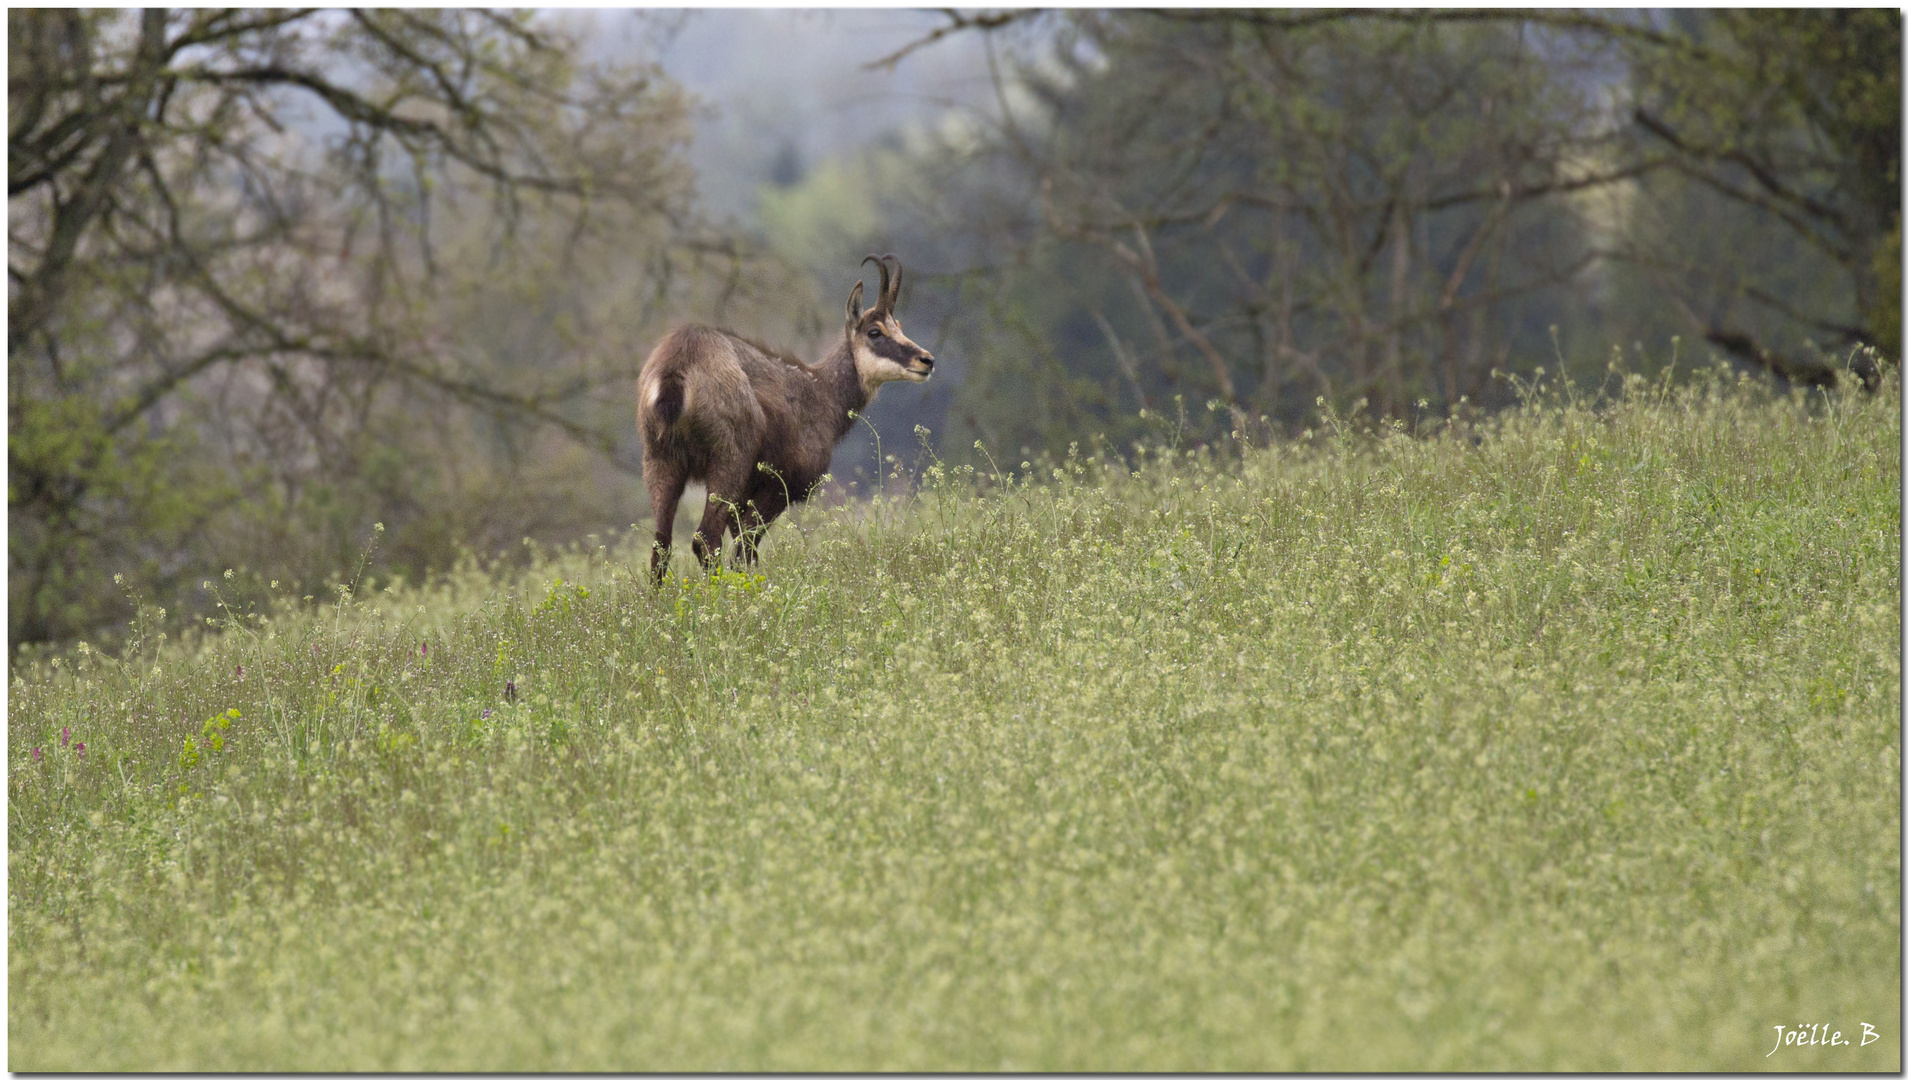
[(755, 425)]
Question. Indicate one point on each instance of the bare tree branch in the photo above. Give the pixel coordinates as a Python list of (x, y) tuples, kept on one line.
[(957, 23)]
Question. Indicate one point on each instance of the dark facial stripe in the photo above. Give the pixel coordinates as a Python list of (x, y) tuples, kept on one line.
[(892, 344), (890, 349)]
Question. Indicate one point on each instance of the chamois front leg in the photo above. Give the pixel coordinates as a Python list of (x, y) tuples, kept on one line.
[(766, 503), (717, 518), (665, 493), (727, 493)]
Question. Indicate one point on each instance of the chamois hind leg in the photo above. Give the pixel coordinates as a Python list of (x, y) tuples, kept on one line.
[(665, 493)]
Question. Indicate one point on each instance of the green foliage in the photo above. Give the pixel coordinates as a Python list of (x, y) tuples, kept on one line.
[(241, 325), (828, 220), (1886, 324), (1566, 741), (1265, 214), (1267, 207), (145, 491), (1790, 121)]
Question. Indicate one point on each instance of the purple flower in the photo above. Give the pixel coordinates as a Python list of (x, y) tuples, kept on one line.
[(36, 753), (424, 650), (241, 670), (486, 716), (65, 734), (79, 751), (510, 689)]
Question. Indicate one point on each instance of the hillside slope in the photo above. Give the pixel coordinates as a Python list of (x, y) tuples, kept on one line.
[(1573, 745)]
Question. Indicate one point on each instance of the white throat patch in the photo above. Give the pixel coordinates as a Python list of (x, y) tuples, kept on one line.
[(875, 370)]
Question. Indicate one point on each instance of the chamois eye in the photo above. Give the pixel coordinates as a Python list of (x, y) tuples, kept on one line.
[(874, 331)]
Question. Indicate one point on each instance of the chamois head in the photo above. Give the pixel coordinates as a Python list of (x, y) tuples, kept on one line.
[(882, 352)]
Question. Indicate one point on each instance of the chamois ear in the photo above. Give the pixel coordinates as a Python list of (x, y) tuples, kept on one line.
[(854, 307)]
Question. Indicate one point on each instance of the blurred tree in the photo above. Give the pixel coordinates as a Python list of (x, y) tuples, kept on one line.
[(227, 264), (1237, 211), (1260, 208), (1791, 119), (1788, 125)]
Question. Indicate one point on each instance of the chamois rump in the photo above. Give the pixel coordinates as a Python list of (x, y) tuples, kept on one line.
[(758, 426)]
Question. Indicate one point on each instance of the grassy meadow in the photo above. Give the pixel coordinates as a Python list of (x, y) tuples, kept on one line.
[(1568, 740)]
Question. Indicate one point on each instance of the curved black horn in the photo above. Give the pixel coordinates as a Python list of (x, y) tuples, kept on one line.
[(891, 296), (881, 297)]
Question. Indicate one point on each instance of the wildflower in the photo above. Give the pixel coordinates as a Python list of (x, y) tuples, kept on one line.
[(36, 753), (79, 751), (424, 650), (241, 670), (485, 716), (510, 689), (65, 734)]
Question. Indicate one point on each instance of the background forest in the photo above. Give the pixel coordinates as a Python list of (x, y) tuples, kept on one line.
[(277, 276)]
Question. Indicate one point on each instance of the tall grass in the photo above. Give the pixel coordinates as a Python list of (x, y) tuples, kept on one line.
[(1571, 742)]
